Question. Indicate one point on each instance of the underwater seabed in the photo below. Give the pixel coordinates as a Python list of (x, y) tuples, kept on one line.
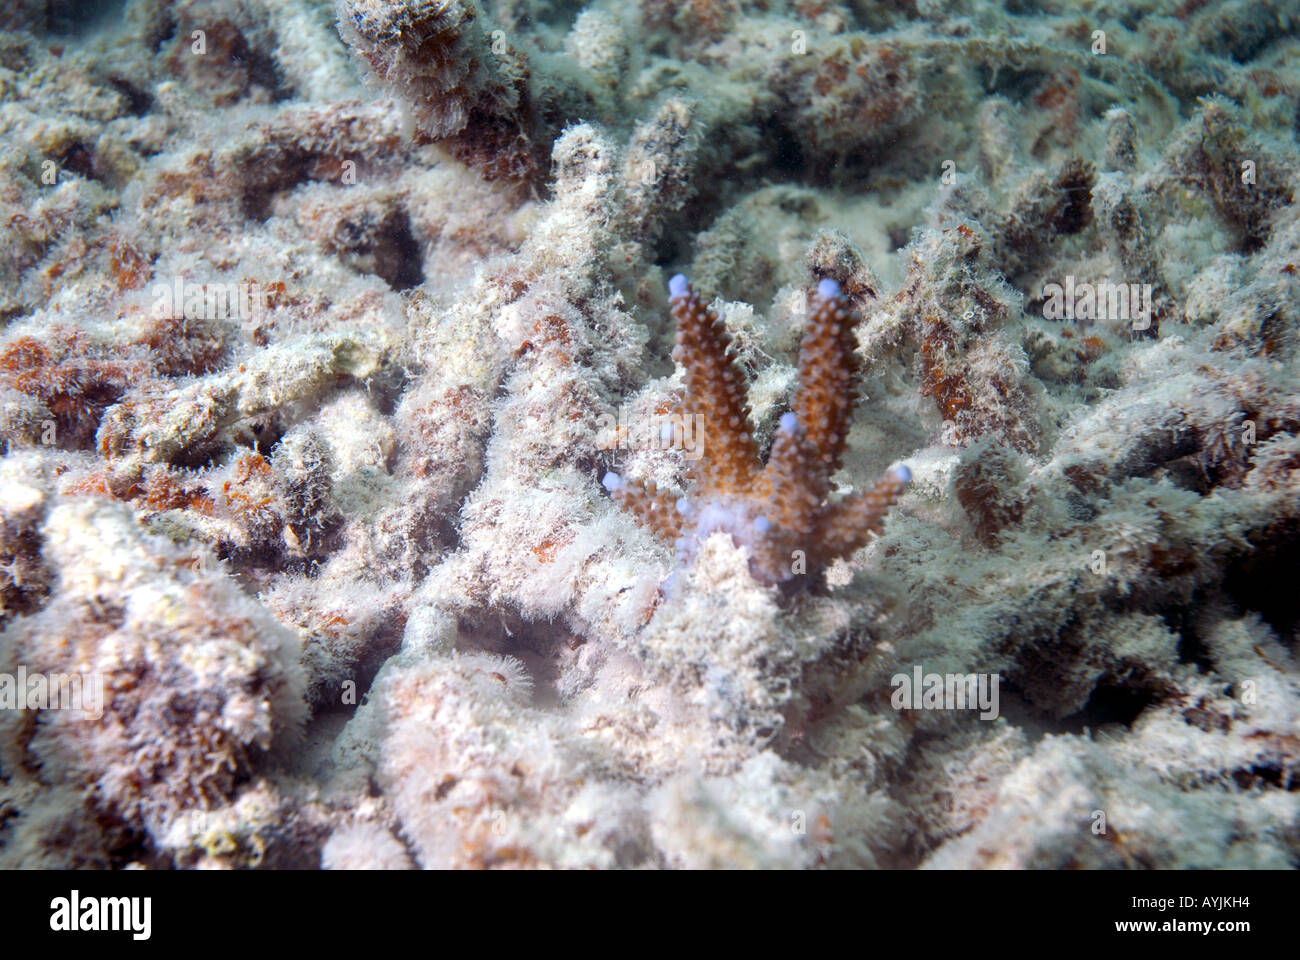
[(649, 434)]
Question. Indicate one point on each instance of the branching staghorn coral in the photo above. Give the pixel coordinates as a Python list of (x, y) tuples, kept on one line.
[(780, 510), (397, 460)]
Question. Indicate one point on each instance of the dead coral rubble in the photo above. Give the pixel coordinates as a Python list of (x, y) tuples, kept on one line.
[(346, 568)]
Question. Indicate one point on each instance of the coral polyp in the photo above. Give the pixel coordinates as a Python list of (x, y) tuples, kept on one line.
[(782, 510)]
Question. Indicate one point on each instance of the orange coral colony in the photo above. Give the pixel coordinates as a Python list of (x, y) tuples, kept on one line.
[(782, 510)]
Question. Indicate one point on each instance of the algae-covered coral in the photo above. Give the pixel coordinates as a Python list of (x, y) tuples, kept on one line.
[(323, 323)]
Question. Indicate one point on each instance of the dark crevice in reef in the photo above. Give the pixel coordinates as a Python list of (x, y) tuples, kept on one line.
[(77, 418), (72, 17), (1115, 701), (126, 846), (779, 160), (1184, 620), (785, 152), (1263, 582), (1049, 669), (264, 71), (386, 388), (79, 159), (263, 180), (386, 248), (380, 644), (162, 34), (139, 102), (1271, 774), (544, 648), (1015, 85), (264, 432), (200, 456), (265, 174)]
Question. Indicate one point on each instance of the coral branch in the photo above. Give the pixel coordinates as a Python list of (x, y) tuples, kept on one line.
[(716, 390), (827, 369), (780, 510), (847, 525)]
